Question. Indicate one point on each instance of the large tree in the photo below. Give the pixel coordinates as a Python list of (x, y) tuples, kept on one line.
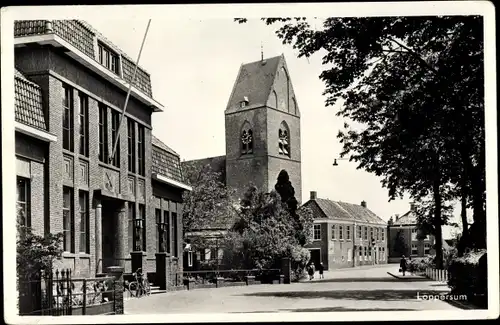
[(301, 217), (263, 232), (208, 206), (414, 88)]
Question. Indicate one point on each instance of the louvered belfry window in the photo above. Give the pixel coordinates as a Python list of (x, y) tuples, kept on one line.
[(246, 140), (284, 141)]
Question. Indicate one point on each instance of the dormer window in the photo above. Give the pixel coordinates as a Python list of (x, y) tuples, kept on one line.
[(108, 58), (244, 102)]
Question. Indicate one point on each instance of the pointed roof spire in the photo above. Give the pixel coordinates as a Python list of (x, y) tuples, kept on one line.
[(261, 51)]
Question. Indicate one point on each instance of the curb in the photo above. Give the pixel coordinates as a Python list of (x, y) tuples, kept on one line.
[(410, 277)]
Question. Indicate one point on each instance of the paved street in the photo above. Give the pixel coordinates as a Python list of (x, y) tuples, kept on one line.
[(360, 289)]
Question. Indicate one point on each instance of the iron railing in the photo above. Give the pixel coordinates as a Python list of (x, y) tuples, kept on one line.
[(58, 293)]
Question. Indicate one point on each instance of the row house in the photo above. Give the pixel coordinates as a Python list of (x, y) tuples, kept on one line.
[(345, 234), (71, 86)]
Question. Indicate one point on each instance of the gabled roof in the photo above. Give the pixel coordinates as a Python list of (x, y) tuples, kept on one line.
[(28, 102), (409, 218), (337, 210), (215, 164), (158, 143), (254, 82), (165, 161)]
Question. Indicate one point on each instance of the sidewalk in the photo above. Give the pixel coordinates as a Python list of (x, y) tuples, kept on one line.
[(408, 276), (368, 271)]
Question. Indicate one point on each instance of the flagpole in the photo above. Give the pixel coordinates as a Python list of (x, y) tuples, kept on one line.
[(113, 152)]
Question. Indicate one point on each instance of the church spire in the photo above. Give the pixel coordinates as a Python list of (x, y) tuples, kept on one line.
[(261, 52)]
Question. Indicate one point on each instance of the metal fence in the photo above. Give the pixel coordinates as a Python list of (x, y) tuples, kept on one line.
[(57, 293), (223, 278)]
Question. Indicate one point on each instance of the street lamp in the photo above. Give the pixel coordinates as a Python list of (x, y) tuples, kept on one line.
[(335, 161)]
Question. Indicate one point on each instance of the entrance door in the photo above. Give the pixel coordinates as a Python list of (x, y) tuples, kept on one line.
[(108, 233), (316, 256)]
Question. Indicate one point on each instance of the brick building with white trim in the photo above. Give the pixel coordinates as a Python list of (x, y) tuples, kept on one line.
[(70, 85)]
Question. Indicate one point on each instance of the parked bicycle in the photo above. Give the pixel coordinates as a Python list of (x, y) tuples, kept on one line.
[(140, 287)]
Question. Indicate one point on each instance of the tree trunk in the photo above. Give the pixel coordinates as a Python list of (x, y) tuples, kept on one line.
[(437, 224)]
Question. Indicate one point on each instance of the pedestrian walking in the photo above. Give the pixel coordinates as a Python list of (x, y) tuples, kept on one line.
[(321, 268), (310, 271), (411, 267), (403, 265)]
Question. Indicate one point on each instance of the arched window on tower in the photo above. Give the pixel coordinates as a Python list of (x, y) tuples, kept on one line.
[(246, 139), (274, 99), (284, 140)]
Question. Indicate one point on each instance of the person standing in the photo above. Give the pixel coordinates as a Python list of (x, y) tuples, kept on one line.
[(403, 265), (321, 268), (310, 271)]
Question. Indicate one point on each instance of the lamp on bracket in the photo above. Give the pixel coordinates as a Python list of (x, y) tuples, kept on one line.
[(335, 161)]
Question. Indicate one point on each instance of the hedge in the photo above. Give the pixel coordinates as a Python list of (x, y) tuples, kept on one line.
[(469, 275)]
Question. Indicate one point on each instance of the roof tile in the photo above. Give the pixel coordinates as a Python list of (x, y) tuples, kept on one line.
[(28, 102), (165, 161), (337, 210)]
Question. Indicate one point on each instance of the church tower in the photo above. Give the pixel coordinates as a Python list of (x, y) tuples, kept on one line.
[(262, 121)]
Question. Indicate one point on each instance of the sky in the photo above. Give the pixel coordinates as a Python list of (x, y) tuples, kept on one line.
[(193, 66)]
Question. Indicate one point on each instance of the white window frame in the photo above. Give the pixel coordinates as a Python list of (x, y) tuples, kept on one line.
[(315, 227)]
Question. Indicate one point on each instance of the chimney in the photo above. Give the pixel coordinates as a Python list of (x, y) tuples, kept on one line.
[(363, 204), (314, 195), (412, 206)]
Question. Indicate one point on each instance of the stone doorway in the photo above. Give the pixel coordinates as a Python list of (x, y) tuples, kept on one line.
[(113, 233)]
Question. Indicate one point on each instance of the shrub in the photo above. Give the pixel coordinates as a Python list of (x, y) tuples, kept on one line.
[(468, 275), (419, 264), (299, 256)]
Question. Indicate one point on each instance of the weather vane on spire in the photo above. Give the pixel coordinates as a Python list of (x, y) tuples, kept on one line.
[(261, 52)]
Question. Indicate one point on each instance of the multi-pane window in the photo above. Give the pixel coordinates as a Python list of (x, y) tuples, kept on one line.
[(175, 235), (115, 122), (162, 231), (246, 141), (348, 232), (141, 168), (141, 228), (67, 103), (414, 233), (284, 140), (166, 219), (84, 124), (83, 200), (365, 235), (377, 233), (414, 249), (333, 231), (137, 229), (317, 232), (427, 248), (371, 233), (131, 145), (370, 253), (359, 232), (341, 232), (108, 58), (68, 220), (360, 253), (383, 233), (103, 133), (366, 251), (23, 201)]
